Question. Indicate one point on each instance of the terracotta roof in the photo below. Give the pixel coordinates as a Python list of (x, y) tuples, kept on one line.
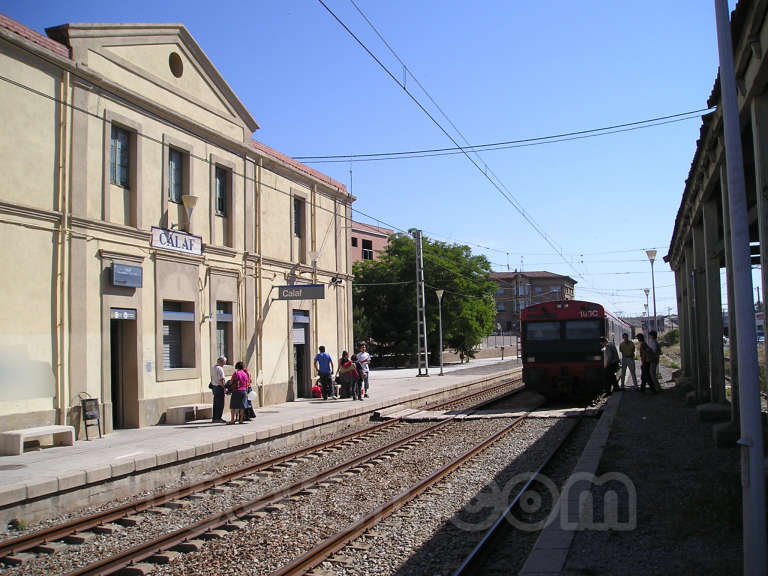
[(298, 165), (372, 228), (32, 36)]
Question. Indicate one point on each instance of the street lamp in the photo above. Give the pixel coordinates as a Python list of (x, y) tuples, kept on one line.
[(652, 256), (440, 315), (647, 325)]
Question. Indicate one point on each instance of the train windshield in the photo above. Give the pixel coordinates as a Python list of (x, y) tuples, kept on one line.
[(543, 331), (582, 330)]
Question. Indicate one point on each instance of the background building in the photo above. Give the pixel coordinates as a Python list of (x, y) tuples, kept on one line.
[(144, 233), (367, 241), (520, 289)]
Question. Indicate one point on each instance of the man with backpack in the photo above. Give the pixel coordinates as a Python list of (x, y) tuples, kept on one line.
[(324, 369)]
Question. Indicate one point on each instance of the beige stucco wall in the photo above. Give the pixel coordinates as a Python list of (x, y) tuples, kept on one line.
[(149, 89), (275, 216), (27, 355), (29, 123)]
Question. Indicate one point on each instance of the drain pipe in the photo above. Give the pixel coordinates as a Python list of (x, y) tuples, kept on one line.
[(62, 380)]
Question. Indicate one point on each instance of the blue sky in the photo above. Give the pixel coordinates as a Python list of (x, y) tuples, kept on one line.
[(501, 70)]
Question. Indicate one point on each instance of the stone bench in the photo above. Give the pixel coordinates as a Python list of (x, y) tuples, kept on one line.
[(12, 441), (188, 412)]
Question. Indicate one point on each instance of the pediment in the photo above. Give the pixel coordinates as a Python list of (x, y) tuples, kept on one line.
[(160, 61)]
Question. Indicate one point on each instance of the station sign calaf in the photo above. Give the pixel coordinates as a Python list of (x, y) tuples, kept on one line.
[(301, 292), (177, 241)]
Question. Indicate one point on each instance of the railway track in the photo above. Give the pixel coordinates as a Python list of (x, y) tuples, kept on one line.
[(49, 540), (326, 549), (475, 562)]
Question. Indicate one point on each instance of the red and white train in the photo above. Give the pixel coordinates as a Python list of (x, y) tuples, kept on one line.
[(561, 348)]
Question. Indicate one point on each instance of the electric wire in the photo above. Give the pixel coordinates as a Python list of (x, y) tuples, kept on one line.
[(510, 144), (245, 177), (510, 198)]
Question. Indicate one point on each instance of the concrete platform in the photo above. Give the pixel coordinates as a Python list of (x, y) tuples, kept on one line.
[(37, 484), (550, 552)]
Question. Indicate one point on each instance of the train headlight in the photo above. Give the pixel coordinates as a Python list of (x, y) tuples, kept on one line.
[(531, 359), (595, 358)]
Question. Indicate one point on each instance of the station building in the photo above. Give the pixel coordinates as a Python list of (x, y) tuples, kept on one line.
[(701, 240), (144, 233)]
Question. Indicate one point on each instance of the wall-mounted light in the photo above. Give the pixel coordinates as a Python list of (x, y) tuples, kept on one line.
[(189, 201), (336, 281)]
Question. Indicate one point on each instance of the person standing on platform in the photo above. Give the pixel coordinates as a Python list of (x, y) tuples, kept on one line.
[(324, 369), (611, 364), (645, 364), (654, 345), (357, 383), (218, 381), (238, 386), (349, 376), (364, 359), (627, 349)]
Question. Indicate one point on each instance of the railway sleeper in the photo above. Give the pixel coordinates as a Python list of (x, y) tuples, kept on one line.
[(109, 528), (130, 521), (49, 548), (217, 490), (214, 534), (138, 569), (236, 483), (175, 504), (234, 525), (18, 559), (79, 538), (164, 557), (193, 545), (342, 559)]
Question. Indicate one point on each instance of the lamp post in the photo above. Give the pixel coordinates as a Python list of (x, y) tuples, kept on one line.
[(440, 316), (647, 326), (652, 256)]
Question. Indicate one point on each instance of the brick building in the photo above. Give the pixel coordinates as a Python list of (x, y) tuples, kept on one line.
[(516, 290), (366, 241)]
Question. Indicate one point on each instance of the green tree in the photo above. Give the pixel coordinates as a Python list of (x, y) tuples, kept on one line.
[(385, 299)]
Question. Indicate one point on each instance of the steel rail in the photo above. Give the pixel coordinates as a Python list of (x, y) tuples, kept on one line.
[(147, 549), (513, 378), (473, 562), (324, 550), (30, 541)]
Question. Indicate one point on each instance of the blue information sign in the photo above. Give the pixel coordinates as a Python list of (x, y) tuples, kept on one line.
[(124, 275)]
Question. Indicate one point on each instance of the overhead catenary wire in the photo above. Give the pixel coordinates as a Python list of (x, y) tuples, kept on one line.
[(509, 144), (245, 177), (505, 194)]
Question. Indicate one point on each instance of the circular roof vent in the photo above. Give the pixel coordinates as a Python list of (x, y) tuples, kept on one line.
[(176, 64)]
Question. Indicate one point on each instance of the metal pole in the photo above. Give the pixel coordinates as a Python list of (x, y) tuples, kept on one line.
[(647, 319), (751, 441), (440, 316)]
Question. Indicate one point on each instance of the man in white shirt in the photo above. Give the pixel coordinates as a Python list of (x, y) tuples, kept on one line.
[(218, 380), (365, 360)]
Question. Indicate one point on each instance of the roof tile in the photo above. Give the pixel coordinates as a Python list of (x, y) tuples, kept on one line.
[(298, 165), (31, 35)]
